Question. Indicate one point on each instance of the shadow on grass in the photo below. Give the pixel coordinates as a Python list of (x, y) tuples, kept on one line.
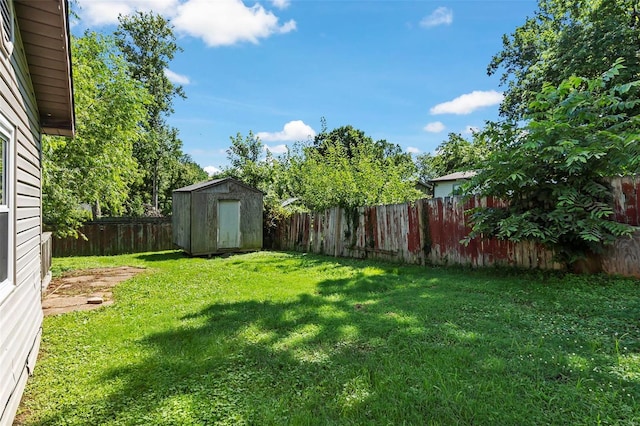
[(162, 256), (264, 362), (388, 348)]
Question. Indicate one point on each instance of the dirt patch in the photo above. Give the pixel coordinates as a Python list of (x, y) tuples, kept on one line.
[(84, 290)]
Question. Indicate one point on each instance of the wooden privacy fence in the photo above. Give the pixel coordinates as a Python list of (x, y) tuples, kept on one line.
[(117, 236), (429, 232)]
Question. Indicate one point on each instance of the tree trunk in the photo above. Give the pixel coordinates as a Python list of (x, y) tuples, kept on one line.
[(154, 196), (96, 211)]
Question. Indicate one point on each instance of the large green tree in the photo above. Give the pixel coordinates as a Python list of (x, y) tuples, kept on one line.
[(353, 141), (346, 168), (565, 38), (96, 167), (554, 171), (245, 156), (258, 167), (180, 172), (148, 44)]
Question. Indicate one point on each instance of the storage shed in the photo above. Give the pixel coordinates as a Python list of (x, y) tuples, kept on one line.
[(218, 216)]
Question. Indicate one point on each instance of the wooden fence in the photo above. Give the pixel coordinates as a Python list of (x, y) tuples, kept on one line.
[(117, 236), (45, 254), (429, 232)]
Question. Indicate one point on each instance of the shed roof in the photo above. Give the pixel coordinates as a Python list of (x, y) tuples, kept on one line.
[(455, 176), (44, 28), (211, 183)]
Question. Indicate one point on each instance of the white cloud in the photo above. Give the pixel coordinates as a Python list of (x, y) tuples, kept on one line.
[(293, 131), (217, 23), (471, 130), (468, 103), (227, 22), (105, 12), (434, 127), (176, 78), (280, 4), (276, 149), (413, 150), (212, 170), (440, 16)]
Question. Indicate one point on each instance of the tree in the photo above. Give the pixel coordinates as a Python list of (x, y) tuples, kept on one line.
[(148, 44), (96, 167), (180, 173), (348, 169), (456, 154), (566, 38), (244, 155), (554, 171), (343, 167), (352, 139)]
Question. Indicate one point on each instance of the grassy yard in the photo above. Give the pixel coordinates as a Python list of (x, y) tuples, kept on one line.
[(277, 338)]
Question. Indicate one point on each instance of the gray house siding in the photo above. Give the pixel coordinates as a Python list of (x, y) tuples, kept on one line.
[(20, 305)]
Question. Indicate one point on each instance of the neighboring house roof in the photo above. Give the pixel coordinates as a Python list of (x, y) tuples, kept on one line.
[(211, 183), (455, 176), (44, 28)]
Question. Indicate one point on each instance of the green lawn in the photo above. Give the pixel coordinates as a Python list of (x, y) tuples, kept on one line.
[(277, 338)]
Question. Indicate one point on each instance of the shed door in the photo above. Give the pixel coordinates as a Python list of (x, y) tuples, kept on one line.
[(228, 224)]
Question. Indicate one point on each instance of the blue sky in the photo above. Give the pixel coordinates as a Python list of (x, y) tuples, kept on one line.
[(409, 72)]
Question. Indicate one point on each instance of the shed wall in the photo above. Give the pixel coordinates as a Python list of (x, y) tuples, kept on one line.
[(251, 222), (204, 219), (20, 311), (181, 218)]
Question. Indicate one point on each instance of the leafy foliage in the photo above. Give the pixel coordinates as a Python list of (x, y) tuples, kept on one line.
[(123, 157), (148, 44), (566, 38), (554, 171), (346, 168), (342, 167), (456, 154), (96, 167), (179, 172), (247, 164)]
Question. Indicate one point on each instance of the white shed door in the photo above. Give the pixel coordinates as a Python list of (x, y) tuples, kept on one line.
[(228, 224)]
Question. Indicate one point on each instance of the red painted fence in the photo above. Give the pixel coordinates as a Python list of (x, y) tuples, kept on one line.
[(429, 232)]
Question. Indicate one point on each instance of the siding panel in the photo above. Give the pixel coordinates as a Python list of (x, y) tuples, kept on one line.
[(27, 212), (29, 244), (20, 311), (26, 166)]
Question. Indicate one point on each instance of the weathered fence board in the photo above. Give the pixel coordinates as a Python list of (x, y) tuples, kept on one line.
[(111, 237), (430, 231), (623, 258), (626, 196)]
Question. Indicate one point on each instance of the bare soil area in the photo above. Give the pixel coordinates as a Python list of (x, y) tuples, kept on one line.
[(84, 290)]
